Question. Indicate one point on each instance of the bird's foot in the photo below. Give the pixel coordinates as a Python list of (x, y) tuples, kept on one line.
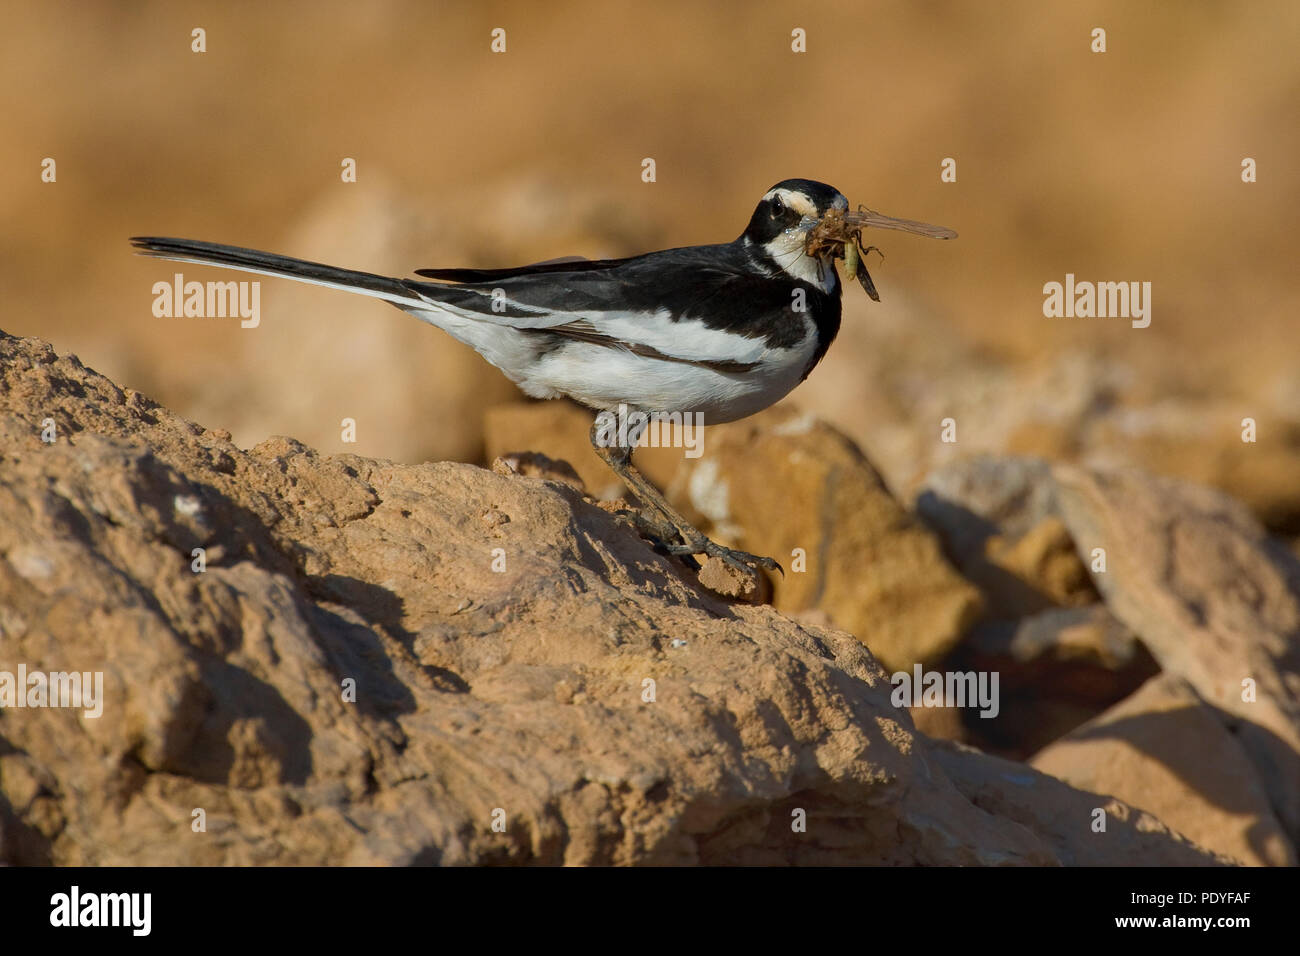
[(686, 542), (743, 561), (655, 528)]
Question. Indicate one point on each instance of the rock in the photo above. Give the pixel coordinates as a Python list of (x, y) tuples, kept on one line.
[(1064, 817), (561, 430), (1215, 600), (849, 548), (1057, 669), (1060, 656), (721, 578), (942, 723), (1080, 637), (889, 383), (379, 662), (1045, 561), (971, 499), (1165, 750), (997, 517), (534, 465), (902, 390), (852, 551), (1201, 442), (1189, 573)]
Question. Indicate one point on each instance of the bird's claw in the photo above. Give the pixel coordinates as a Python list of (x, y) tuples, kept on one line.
[(740, 560), (684, 541)]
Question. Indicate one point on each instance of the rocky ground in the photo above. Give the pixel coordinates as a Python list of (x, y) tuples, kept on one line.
[(315, 659)]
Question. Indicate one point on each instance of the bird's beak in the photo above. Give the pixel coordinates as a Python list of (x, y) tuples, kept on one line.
[(868, 218)]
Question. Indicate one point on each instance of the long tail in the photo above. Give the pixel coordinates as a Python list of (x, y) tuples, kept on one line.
[(400, 293)]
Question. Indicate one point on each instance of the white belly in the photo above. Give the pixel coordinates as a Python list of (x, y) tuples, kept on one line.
[(602, 377)]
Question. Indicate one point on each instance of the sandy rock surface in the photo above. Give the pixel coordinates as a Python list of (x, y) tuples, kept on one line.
[(850, 550), (436, 663), (1166, 750), (1213, 597), (1192, 585)]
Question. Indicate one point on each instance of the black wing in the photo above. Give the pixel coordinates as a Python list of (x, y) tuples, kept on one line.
[(567, 264), (719, 287)]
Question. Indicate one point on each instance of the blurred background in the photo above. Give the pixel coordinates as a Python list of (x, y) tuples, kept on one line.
[(1122, 166)]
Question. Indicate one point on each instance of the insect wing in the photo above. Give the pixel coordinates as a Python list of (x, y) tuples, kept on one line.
[(869, 218)]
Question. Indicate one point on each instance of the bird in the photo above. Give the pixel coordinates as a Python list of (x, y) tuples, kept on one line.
[(720, 331)]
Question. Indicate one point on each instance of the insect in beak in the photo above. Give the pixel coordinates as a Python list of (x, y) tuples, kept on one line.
[(855, 266), (838, 235), (866, 218)]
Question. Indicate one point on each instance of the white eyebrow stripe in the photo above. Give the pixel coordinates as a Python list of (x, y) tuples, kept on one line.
[(795, 200)]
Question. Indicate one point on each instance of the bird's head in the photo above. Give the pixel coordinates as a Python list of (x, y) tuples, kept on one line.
[(791, 209), (779, 227)]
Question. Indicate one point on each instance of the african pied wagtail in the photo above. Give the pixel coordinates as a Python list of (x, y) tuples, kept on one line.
[(719, 330)]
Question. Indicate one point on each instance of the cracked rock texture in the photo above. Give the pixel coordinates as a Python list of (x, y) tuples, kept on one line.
[(316, 660)]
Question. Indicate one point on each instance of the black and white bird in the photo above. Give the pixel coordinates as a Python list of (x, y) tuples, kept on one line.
[(722, 330)]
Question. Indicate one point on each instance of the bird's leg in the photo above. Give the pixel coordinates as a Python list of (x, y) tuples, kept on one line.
[(694, 541), (619, 460)]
